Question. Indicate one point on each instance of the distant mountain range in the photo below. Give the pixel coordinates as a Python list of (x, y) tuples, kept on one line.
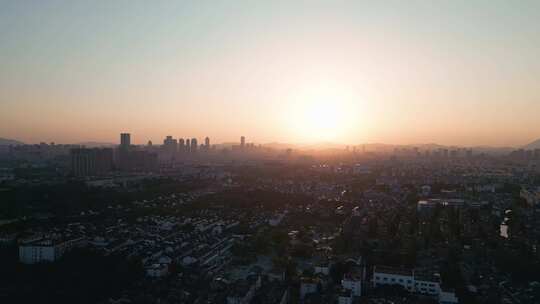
[(380, 147), (9, 142), (533, 145), (88, 144)]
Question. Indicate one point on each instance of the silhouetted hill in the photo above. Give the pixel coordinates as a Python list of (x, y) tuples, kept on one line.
[(280, 146), (8, 142), (492, 150), (382, 147), (533, 145), (95, 144)]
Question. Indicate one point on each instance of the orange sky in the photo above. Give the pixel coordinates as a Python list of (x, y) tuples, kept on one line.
[(453, 73)]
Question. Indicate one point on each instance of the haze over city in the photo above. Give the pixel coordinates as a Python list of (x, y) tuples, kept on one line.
[(270, 152), (349, 72)]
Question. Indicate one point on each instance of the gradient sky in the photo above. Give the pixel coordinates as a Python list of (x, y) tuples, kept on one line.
[(404, 72)]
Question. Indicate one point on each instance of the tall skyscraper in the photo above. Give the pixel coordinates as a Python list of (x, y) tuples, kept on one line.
[(122, 153), (194, 145), (170, 145), (188, 145), (125, 140), (242, 142), (181, 145), (207, 143)]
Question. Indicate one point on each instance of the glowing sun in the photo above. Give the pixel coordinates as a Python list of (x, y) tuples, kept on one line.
[(323, 117)]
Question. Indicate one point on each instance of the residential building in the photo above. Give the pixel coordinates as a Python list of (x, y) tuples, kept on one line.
[(45, 249), (353, 282)]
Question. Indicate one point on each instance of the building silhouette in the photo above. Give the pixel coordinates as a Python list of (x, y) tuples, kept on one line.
[(130, 158), (194, 145), (125, 139), (91, 162), (170, 145), (181, 145)]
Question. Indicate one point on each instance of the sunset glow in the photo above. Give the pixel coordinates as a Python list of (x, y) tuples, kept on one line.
[(325, 114), (452, 72), (270, 151)]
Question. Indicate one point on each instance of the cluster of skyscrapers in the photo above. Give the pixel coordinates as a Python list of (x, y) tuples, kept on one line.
[(99, 161), (181, 145), (127, 157)]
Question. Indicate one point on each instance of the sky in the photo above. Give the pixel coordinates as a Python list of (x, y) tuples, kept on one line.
[(397, 72)]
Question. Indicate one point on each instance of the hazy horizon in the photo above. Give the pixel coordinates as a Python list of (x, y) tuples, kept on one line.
[(447, 72), (310, 145)]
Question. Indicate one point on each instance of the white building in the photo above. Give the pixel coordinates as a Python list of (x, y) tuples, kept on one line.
[(426, 283), (45, 250), (429, 204), (413, 281), (390, 276), (448, 297), (352, 282)]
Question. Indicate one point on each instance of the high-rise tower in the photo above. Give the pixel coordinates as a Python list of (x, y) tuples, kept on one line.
[(194, 145), (125, 140), (181, 145)]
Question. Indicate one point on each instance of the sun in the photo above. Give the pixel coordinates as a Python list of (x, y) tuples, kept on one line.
[(323, 116), (323, 120)]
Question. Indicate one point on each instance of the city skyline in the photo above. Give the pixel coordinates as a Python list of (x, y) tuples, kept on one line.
[(451, 73), (270, 151), (181, 141)]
